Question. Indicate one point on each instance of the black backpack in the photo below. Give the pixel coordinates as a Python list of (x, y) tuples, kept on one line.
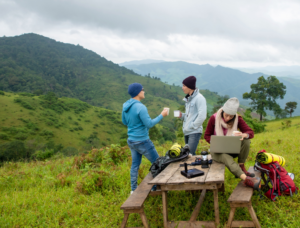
[(162, 162)]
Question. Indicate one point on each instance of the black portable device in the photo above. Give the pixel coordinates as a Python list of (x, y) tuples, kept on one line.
[(190, 173)]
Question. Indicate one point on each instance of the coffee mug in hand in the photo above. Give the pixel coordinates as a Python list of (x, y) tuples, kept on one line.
[(235, 132), (167, 109), (176, 113)]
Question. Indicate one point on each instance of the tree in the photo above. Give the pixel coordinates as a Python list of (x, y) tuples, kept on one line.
[(264, 94), (290, 107), (220, 102)]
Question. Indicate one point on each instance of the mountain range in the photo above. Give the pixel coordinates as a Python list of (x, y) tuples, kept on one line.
[(223, 80)]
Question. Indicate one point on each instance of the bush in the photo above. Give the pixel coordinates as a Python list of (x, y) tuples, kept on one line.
[(23, 103), (47, 133), (91, 182), (2, 93), (13, 151), (21, 136), (80, 128), (4, 136), (43, 154), (24, 94), (69, 151)]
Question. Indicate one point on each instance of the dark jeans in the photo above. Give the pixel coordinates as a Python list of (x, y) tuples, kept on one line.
[(192, 140), (138, 149)]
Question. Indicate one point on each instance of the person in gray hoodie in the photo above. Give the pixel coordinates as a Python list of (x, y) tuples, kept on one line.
[(195, 113), (135, 116)]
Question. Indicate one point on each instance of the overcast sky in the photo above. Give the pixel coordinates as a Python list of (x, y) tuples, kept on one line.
[(236, 33)]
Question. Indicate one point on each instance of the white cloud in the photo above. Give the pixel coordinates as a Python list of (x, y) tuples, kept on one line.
[(232, 33)]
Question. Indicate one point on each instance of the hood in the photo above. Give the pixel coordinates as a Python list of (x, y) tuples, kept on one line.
[(186, 98), (127, 105)]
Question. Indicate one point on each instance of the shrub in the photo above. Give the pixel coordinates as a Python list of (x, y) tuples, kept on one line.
[(23, 103), (4, 136), (13, 151), (21, 136), (87, 121), (24, 94), (80, 128), (2, 93), (69, 117), (47, 133), (91, 182), (69, 151), (43, 154)]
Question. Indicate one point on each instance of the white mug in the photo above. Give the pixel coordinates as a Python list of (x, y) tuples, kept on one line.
[(176, 113), (167, 109)]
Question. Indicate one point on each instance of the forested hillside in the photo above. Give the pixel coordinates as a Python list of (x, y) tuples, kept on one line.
[(36, 64), (223, 80)]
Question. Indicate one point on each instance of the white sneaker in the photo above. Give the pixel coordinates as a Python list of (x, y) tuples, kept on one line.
[(131, 192)]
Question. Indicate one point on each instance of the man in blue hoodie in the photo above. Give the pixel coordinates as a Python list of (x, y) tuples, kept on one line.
[(135, 116)]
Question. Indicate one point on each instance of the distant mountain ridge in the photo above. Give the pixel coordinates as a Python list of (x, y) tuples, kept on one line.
[(140, 62), (223, 80)]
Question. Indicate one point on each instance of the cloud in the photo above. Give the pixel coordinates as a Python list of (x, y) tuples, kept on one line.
[(217, 32)]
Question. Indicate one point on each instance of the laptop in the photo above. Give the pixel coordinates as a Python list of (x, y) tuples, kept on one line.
[(225, 144)]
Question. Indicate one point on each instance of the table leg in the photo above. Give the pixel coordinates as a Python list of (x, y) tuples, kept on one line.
[(165, 208), (216, 205), (198, 206)]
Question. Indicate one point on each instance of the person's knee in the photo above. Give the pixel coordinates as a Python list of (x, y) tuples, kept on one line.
[(246, 143)]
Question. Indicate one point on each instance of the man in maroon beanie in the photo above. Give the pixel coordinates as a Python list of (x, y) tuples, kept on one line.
[(195, 113)]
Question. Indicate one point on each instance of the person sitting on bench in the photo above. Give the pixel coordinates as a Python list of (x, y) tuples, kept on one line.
[(224, 123)]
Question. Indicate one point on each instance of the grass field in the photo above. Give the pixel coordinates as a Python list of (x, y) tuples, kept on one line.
[(88, 190)]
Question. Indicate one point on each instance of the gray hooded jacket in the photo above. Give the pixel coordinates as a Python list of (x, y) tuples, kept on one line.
[(195, 113)]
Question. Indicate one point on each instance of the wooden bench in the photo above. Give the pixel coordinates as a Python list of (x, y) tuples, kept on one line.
[(135, 202), (241, 197)]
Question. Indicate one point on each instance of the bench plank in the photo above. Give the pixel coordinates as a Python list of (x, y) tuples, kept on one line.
[(242, 193), (138, 197)]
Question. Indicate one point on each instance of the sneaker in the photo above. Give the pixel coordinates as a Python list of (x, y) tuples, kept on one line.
[(131, 192), (253, 182), (245, 171)]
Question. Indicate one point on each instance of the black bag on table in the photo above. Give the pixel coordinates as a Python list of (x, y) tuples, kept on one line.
[(162, 162)]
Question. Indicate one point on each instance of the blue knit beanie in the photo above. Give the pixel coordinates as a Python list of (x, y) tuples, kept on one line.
[(134, 89)]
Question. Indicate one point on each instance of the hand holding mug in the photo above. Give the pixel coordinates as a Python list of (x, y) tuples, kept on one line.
[(165, 112)]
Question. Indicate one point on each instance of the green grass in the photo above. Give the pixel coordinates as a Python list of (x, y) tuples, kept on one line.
[(88, 190), (69, 128)]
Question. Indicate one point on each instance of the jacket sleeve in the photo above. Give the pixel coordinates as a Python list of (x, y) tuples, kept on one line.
[(202, 112), (210, 129), (123, 119), (146, 119), (244, 128)]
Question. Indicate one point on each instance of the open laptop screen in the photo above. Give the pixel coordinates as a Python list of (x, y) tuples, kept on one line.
[(225, 144)]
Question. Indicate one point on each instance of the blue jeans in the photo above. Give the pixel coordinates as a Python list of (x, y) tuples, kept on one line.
[(192, 140), (138, 149)]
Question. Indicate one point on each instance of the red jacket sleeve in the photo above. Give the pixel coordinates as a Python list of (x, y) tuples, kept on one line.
[(210, 129), (244, 128)]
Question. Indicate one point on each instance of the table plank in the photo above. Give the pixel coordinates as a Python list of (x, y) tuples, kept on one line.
[(165, 175), (177, 178), (216, 173)]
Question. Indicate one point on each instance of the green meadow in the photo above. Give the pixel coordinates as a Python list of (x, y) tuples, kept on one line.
[(87, 190)]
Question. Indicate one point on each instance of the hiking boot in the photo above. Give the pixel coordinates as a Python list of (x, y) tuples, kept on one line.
[(242, 166), (253, 182)]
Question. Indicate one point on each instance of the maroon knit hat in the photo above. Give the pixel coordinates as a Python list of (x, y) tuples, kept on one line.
[(190, 82)]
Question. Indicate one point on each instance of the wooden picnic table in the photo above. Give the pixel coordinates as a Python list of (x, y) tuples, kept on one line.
[(171, 179)]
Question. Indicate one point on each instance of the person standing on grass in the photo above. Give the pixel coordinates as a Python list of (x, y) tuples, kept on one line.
[(195, 113), (226, 122), (135, 116)]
